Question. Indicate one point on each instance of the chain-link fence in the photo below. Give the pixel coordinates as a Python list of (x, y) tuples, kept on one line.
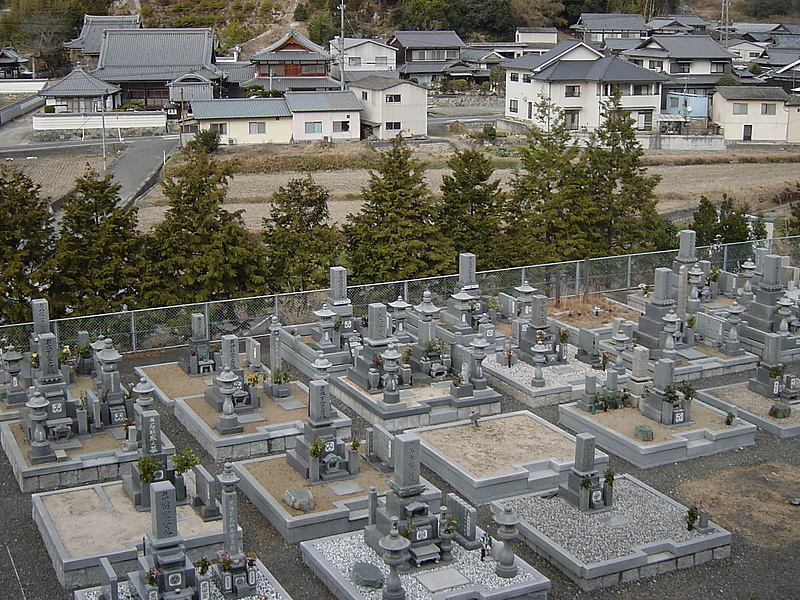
[(170, 326)]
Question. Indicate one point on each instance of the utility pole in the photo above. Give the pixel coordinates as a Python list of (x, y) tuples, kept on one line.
[(103, 126), (341, 44), (725, 34)]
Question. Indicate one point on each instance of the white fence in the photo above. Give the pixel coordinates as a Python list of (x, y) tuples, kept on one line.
[(113, 120), (21, 86)]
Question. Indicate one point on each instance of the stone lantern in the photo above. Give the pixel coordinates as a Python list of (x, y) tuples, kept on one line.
[(748, 269), (15, 394), (229, 420), (506, 533), (539, 358), (695, 278), (391, 358), (394, 547), (144, 393), (479, 345), (462, 306), (399, 315), (426, 311), (524, 299), (620, 343), (670, 328), (40, 451), (325, 317), (732, 344), (108, 356), (784, 310)]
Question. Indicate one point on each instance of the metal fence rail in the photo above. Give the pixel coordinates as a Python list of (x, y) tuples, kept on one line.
[(169, 326)]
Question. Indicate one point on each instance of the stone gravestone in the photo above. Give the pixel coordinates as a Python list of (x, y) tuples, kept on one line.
[(253, 353), (338, 282), (41, 316), (149, 422), (205, 499), (539, 312), (584, 452), (467, 281), (319, 402), (377, 329), (199, 327), (687, 240), (466, 523), (163, 514), (230, 352), (407, 453), (379, 448), (582, 488)]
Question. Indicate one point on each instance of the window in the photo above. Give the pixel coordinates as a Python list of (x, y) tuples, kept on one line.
[(768, 109), (354, 61), (340, 126), (572, 91), (526, 78), (656, 65), (641, 90), (313, 126), (740, 108), (717, 67), (220, 128), (610, 88), (513, 106), (381, 61), (673, 102), (393, 126), (571, 119), (393, 97), (514, 76), (683, 67), (644, 120), (258, 128), (754, 54), (433, 54), (364, 96), (637, 62)]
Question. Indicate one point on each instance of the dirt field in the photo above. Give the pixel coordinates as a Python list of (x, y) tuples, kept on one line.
[(56, 174), (680, 188)]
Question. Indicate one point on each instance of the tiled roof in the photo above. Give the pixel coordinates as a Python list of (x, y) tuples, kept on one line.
[(10, 56), (156, 48), (240, 108), (155, 73), (689, 19), (91, 35), (606, 70), (81, 84), (537, 29), (746, 92), (294, 83), (682, 46), (428, 39), (273, 50), (322, 101), (433, 66), (534, 61), (378, 83), (610, 22), (238, 71)]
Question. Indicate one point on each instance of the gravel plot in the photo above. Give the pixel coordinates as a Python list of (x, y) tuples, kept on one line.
[(553, 374), (752, 572), (589, 536)]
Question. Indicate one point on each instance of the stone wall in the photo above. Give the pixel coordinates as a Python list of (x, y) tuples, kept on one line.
[(464, 100), (63, 135)]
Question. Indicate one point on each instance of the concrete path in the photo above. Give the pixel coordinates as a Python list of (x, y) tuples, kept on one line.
[(136, 169)]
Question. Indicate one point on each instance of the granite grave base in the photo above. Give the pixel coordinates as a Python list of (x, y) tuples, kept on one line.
[(642, 536), (689, 442), (774, 426)]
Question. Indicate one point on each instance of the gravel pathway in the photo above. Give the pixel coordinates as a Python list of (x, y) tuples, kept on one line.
[(751, 573)]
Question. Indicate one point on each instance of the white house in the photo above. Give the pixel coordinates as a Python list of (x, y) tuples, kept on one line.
[(364, 54), (745, 51), (332, 116), (578, 79), (245, 120), (392, 106), (751, 113)]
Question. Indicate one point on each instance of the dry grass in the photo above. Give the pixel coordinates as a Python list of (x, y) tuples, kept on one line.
[(574, 311)]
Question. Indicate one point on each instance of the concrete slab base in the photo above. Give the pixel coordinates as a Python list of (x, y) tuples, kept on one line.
[(775, 427)]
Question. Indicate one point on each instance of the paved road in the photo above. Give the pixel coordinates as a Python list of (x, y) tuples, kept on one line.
[(139, 161)]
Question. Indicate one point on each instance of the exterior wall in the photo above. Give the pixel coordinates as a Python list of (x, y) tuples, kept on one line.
[(21, 86), (793, 129), (79, 105), (411, 112), (327, 119), (368, 52), (278, 130), (765, 128), (113, 120), (537, 37), (743, 50)]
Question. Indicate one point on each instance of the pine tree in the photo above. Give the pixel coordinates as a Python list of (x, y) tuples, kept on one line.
[(200, 251), (26, 240), (97, 261), (622, 192), (548, 218), (471, 207), (705, 222), (759, 229), (300, 245), (733, 224), (793, 223), (395, 235)]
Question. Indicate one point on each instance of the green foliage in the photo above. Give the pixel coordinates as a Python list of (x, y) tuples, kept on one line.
[(301, 246), (26, 241), (200, 251), (793, 224), (728, 224), (206, 140), (704, 222), (395, 234), (321, 27), (472, 205), (183, 461), (148, 465), (727, 80), (97, 261), (758, 231), (301, 12), (754, 68), (764, 9)]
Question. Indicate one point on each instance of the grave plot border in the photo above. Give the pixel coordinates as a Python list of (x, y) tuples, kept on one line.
[(524, 477), (688, 443), (776, 429)]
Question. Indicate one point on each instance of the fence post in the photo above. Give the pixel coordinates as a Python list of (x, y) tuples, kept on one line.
[(275, 303), (725, 257), (405, 290), (133, 333), (55, 333), (522, 281), (577, 278), (628, 280), (208, 318)]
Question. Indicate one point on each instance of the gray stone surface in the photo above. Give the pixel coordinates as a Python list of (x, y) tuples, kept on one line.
[(299, 500), (368, 575)]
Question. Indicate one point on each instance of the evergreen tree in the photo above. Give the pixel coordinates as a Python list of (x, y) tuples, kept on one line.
[(395, 235), (200, 251), (705, 222), (471, 208), (548, 218), (622, 193), (97, 261), (733, 224), (793, 223), (759, 229), (26, 240), (301, 247)]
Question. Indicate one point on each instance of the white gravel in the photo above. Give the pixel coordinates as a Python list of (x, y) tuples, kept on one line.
[(553, 375), (644, 518), (343, 551)]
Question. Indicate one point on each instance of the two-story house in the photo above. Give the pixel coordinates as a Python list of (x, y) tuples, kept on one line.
[(672, 24), (751, 113), (579, 79), (361, 57), (293, 63), (392, 107), (12, 64), (597, 27), (429, 56), (693, 63), (332, 116), (85, 48)]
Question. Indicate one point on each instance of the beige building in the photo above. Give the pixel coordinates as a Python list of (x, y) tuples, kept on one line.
[(751, 113), (245, 120), (392, 106)]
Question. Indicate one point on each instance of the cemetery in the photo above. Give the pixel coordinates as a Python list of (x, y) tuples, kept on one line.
[(500, 456), (426, 378)]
